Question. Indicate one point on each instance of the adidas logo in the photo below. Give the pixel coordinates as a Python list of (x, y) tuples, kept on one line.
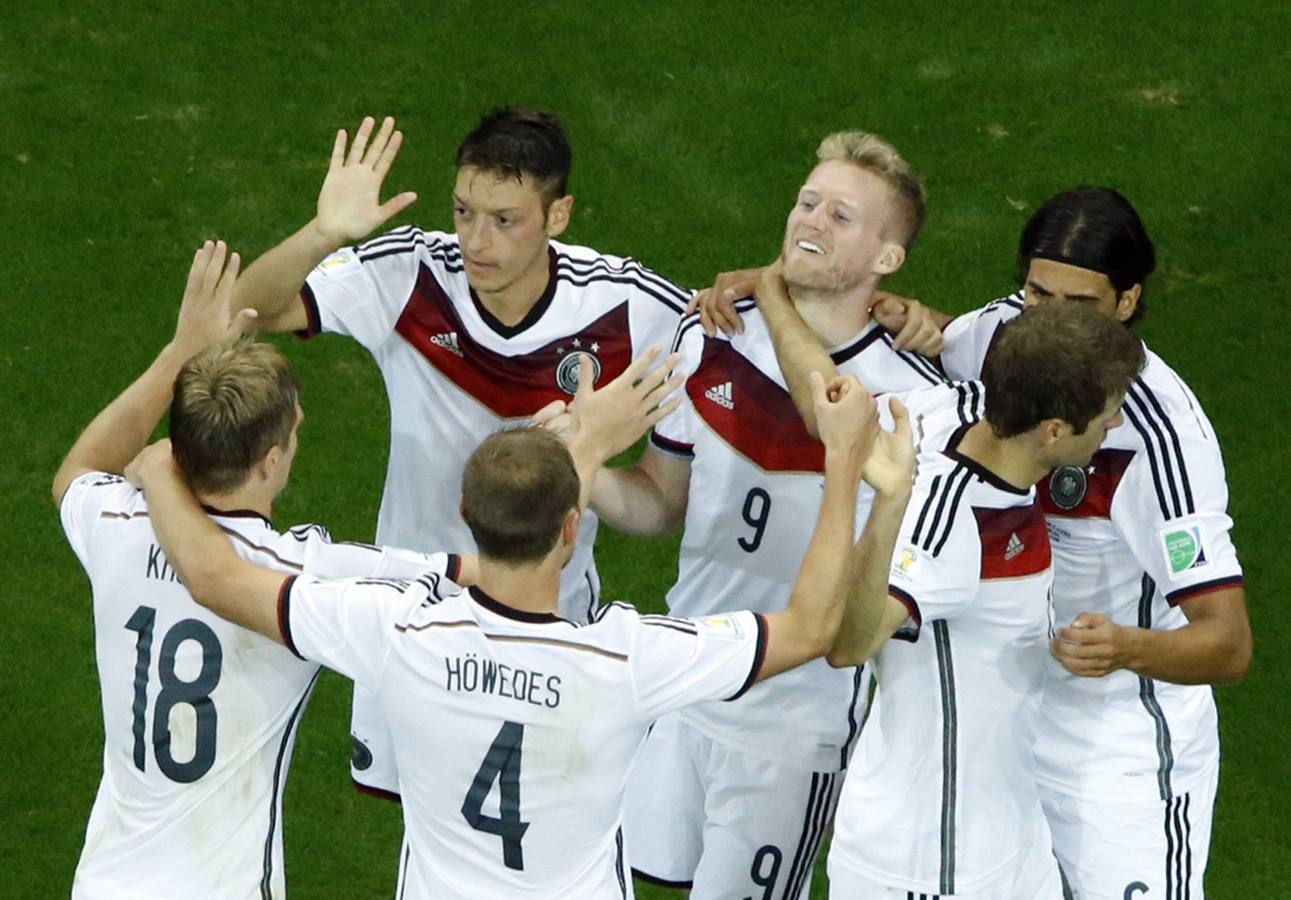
[(721, 395), (447, 340), (1015, 546)]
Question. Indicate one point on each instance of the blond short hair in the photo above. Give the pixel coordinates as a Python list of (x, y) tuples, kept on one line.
[(231, 405), (874, 154)]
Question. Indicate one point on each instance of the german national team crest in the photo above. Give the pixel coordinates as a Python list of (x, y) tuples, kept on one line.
[(567, 369), (1067, 487)]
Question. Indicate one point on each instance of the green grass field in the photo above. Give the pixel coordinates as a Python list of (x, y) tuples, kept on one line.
[(133, 131)]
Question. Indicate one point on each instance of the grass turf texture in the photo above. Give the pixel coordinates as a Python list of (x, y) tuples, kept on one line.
[(134, 131)]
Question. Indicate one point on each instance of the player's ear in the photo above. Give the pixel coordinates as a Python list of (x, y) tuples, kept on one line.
[(1051, 430), (891, 258), (1127, 302), (558, 214), (569, 528)]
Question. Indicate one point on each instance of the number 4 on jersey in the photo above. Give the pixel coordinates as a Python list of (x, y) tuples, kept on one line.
[(501, 764)]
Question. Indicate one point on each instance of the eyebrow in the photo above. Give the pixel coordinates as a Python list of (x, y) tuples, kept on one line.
[(1032, 283), (504, 211)]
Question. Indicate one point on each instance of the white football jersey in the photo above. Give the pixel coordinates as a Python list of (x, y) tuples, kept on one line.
[(514, 732), (1140, 529), (755, 487), (940, 797), (199, 715), (454, 375)]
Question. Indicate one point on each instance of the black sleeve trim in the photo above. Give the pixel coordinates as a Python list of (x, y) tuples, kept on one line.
[(376, 791), (662, 882), (759, 657), (284, 613), (912, 606), (315, 325), (676, 448), (454, 568), (1174, 598)]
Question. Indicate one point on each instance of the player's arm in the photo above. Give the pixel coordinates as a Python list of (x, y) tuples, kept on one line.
[(202, 555), (647, 499), (871, 615), (1213, 648), (122, 429), (349, 209), (808, 627), (603, 423)]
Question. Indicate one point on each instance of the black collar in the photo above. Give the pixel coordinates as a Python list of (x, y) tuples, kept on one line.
[(509, 612), (952, 450), (532, 316), (236, 514)]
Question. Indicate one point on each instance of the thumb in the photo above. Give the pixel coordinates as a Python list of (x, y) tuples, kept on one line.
[(900, 417), (1087, 620), (585, 379), (396, 205)]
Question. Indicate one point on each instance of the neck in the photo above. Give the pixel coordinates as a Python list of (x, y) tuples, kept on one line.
[(531, 588), (1013, 460), (510, 304), (248, 497), (835, 318)]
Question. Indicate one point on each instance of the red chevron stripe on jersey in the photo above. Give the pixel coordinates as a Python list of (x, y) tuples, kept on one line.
[(755, 416), (1015, 541), (510, 386), (1102, 477)]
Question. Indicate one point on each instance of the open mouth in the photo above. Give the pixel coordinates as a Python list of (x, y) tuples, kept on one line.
[(810, 247)]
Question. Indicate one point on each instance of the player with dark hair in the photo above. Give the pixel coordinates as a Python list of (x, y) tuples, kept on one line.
[(1146, 576), (199, 715), (491, 694), (941, 797), (471, 330)]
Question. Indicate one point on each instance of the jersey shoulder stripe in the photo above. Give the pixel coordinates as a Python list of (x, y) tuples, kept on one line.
[(1165, 455), (970, 401), (925, 368), (588, 279), (627, 266), (943, 504)]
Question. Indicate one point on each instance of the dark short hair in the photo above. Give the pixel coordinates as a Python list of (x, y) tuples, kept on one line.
[(1091, 228), (517, 489), (1057, 361), (515, 142), (231, 404)]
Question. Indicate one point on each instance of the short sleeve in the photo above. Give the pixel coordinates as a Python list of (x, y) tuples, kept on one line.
[(676, 662), (675, 434), (85, 500), (325, 558), (346, 625), (361, 291), (969, 336), (937, 562), (1171, 508)]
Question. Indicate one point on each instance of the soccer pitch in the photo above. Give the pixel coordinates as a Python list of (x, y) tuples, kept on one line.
[(134, 131)]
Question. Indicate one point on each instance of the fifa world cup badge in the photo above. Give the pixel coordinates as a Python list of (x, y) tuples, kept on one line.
[(1067, 487)]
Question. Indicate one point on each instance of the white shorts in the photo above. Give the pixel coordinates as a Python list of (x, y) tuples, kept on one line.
[(721, 821), (1036, 878), (1134, 851)]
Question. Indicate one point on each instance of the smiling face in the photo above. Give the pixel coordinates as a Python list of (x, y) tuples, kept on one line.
[(839, 231), (1049, 280), (504, 229)]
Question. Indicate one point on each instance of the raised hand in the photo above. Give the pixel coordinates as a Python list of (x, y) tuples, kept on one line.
[(846, 416), (555, 417), (890, 467), (349, 204), (149, 462), (609, 421), (204, 314)]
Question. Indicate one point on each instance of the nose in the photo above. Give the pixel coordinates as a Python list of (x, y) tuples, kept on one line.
[(475, 235), (817, 218)]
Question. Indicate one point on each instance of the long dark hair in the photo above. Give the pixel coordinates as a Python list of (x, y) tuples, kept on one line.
[(1092, 228)]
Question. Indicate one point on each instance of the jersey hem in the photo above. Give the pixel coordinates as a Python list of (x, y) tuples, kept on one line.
[(982, 882), (1122, 792), (379, 793), (661, 882)]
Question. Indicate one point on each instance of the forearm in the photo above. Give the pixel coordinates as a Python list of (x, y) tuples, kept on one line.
[(817, 600), (120, 431), (798, 352), (634, 503), (1208, 651), (272, 283), (863, 612)]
